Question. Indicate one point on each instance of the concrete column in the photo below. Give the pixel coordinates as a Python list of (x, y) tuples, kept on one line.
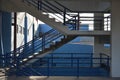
[(98, 47), (115, 63), (98, 25)]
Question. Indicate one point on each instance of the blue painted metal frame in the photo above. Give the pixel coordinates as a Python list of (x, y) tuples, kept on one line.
[(74, 65)]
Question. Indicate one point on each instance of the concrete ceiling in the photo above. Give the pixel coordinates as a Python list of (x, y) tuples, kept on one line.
[(85, 5)]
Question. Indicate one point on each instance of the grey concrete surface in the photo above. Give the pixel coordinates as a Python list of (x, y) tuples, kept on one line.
[(60, 78)]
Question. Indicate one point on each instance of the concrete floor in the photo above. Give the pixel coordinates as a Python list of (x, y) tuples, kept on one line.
[(60, 78)]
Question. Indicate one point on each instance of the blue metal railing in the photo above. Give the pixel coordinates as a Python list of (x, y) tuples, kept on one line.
[(65, 15), (40, 43), (65, 66), (105, 61)]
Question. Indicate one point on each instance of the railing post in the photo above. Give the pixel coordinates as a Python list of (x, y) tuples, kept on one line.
[(17, 66), (100, 59), (78, 25), (33, 38), (108, 62), (52, 59), (77, 67), (43, 42), (15, 36), (107, 23), (75, 23), (64, 16), (91, 58), (39, 4), (3, 59), (72, 59), (48, 68)]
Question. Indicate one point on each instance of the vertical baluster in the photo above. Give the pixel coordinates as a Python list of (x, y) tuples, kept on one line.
[(107, 23), (64, 16), (75, 23), (72, 59), (43, 42), (15, 36), (77, 67), (100, 58), (33, 37), (78, 25), (48, 68), (91, 58), (107, 62)]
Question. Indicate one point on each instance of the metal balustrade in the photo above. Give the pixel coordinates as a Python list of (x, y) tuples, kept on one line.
[(65, 66), (66, 16), (37, 45), (44, 41)]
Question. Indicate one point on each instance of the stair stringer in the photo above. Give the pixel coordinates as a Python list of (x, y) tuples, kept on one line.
[(20, 6), (45, 52)]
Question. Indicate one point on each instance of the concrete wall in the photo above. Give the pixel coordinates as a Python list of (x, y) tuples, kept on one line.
[(86, 5), (115, 65)]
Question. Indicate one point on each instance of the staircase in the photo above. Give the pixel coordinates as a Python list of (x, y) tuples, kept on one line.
[(51, 40), (43, 10), (38, 47), (47, 50)]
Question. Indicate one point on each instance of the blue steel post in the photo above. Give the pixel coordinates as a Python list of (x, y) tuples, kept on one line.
[(75, 23), (107, 22), (48, 67), (78, 25), (25, 30), (64, 16), (77, 67), (52, 59), (40, 4), (33, 37), (15, 36), (91, 58), (100, 58), (107, 61), (72, 59), (43, 43)]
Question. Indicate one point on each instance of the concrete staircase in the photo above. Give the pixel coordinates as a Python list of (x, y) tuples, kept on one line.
[(52, 47), (22, 5)]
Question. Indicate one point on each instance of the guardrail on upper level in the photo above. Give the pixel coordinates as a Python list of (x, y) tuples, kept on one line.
[(69, 17)]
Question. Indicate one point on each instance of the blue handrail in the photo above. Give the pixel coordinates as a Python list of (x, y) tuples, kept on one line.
[(47, 64), (105, 61), (27, 49)]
